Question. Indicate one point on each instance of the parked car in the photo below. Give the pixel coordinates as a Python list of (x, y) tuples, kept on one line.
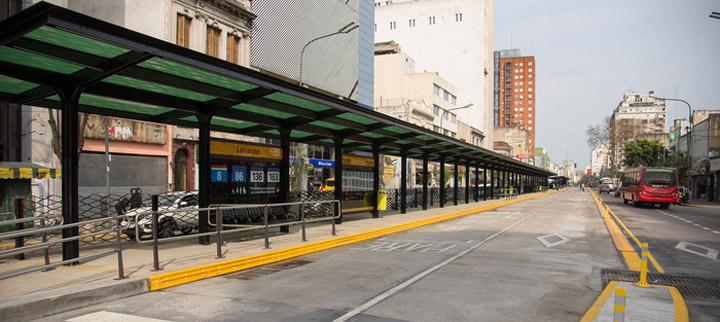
[(168, 223)]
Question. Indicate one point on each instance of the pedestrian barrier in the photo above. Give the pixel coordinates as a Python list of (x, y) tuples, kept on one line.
[(619, 311)]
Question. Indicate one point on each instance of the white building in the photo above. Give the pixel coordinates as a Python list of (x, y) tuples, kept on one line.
[(453, 38), (636, 116)]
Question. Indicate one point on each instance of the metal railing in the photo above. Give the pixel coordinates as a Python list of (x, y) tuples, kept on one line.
[(218, 217), (21, 232)]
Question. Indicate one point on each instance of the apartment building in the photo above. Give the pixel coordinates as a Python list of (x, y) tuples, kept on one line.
[(637, 116), (453, 38), (514, 93)]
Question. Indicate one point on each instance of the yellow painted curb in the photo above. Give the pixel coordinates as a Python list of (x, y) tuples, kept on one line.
[(595, 309), (621, 243), (702, 206), (681, 311), (632, 260), (180, 277)]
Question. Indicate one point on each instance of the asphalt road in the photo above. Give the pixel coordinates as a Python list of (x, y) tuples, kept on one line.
[(537, 260), (683, 240)]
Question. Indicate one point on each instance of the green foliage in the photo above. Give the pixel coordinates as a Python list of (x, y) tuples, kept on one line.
[(645, 153)]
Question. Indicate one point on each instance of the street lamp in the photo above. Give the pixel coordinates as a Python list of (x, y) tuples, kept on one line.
[(452, 109), (689, 138), (344, 30)]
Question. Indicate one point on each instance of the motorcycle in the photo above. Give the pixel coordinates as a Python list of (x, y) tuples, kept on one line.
[(683, 197)]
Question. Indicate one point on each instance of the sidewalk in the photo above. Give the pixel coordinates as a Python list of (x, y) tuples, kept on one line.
[(38, 294), (703, 204)]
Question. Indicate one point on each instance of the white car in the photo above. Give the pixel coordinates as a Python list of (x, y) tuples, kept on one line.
[(168, 223)]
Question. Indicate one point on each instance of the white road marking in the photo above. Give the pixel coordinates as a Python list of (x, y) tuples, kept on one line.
[(708, 252), (544, 240), (105, 316), (418, 277)]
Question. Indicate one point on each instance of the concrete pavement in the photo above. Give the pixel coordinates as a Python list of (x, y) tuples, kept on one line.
[(40, 294)]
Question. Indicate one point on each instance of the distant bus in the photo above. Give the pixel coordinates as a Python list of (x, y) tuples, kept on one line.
[(650, 185)]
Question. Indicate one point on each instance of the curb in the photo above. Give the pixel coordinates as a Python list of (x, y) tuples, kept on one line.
[(37, 305), (184, 276)]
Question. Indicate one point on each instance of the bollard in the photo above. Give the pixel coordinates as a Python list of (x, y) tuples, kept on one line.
[(20, 214), (156, 252), (643, 267), (607, 211), (302, 216), (218, 229), (619, 312)]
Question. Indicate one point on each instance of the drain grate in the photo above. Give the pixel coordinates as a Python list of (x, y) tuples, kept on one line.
[(268, 269), (692, 287)]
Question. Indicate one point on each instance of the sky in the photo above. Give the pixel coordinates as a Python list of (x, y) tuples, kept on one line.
[(589, 53)]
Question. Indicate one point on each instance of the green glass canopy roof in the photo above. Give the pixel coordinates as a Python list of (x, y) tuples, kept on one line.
[(131, 75)]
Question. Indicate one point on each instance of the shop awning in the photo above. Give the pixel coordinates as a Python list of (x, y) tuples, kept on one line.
[(23, 170)]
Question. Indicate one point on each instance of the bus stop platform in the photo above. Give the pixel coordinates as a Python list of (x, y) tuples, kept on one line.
[(38, 294)]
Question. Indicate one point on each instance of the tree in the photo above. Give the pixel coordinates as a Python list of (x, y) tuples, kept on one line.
[(56, 135), (644, 153), (598, 135)]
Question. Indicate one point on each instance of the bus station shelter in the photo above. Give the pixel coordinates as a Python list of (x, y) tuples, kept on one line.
[(56, 58)]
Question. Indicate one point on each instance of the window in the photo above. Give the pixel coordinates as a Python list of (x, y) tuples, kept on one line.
[(530, 96), (530, 70), (508, 64), (530, 121), (436, 89), (232, 48), (436, 110), (516, 109), (183, 31), (411, 23), (458, 17), (530, 128), (530, 63), (521, 109), (393, 25), (453, 99), (521, 64), (529, 108), (529, 89), (516, 70), (432, 20), (445, 95), (213, 41), (453, 117), (508, 71)]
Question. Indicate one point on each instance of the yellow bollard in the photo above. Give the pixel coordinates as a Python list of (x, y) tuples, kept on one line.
[(619, 312), (607, 211), (643, 267)]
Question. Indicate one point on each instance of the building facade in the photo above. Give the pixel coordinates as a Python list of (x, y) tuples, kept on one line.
[(326, 45), (636, 116), (517, 139), (453, 38), (514, 93)]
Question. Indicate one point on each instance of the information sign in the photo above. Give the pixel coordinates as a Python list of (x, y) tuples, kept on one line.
[(257, 174), (239, 174), (273, 174), (218, 173)]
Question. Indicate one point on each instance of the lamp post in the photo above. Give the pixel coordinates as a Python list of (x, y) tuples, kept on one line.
[(452, 109), (344, 30), (689, 138)]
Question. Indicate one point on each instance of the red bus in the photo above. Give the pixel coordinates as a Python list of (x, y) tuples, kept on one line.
[(650, 185)]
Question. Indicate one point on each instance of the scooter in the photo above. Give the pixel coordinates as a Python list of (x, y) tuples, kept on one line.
[(683, 198)]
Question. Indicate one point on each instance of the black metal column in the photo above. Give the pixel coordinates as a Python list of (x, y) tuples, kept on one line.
[(204, 174), (425, 182), (70, 96), (403, 182), (485, 182), (492, 183), (467, 182), (442, 181), (338, 175), (477, 182), (285, 170), (376, 182), (455, 183)]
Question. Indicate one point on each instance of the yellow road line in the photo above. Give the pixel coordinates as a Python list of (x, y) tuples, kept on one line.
[(650, 256), (166, 280), (632, 260)]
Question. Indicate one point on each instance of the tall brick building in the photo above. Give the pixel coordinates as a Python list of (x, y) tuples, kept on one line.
[(514, 96)]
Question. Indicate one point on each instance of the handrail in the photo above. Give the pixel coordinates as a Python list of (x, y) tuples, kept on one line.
[(337, 213), (46, 244)]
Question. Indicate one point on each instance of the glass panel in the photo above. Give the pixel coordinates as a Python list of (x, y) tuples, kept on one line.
[(327, 125), (14, 85), (356, 118), (263, 111), (299, 102), (220, 121), (19, 57), (76, 42), (199, 75), (157, 88)]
